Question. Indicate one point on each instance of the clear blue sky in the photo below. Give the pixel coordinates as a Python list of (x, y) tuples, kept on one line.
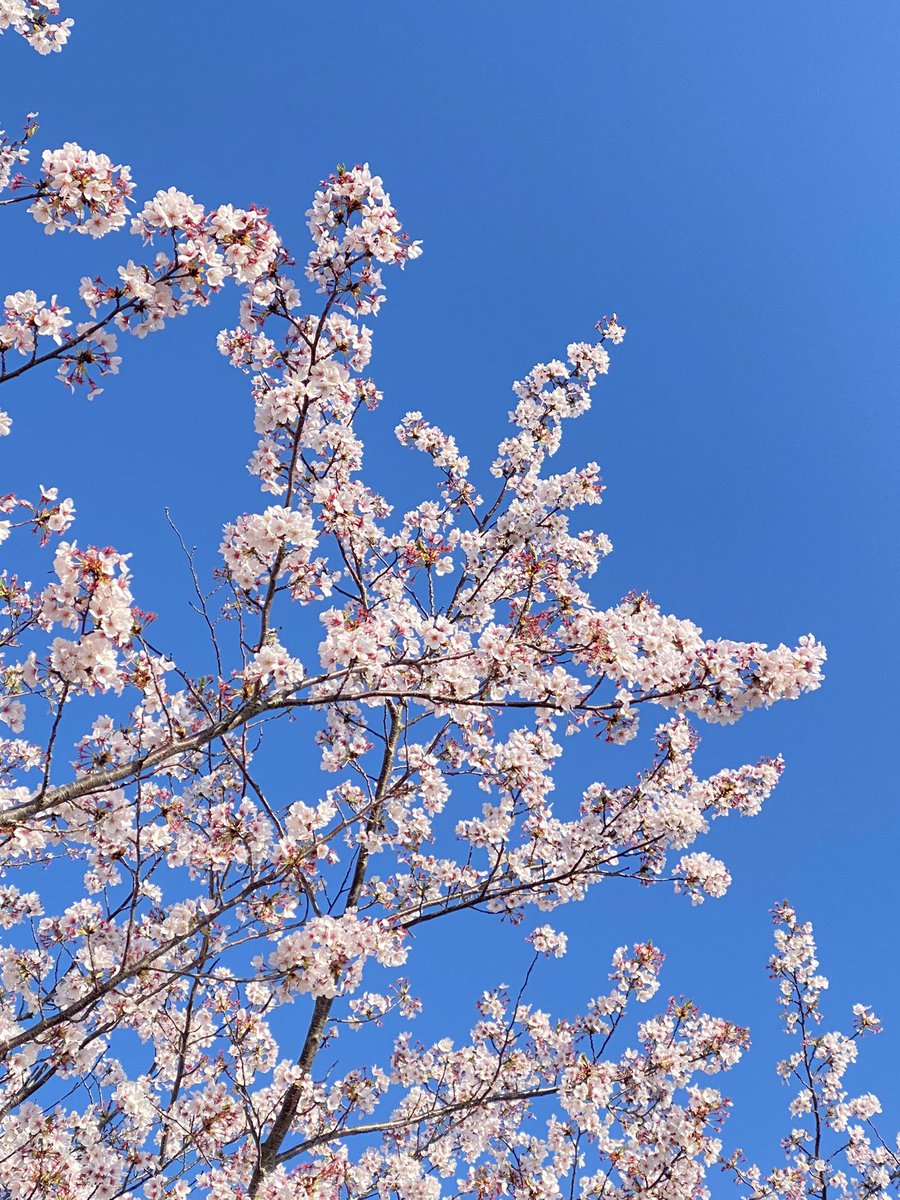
[(725, 176)]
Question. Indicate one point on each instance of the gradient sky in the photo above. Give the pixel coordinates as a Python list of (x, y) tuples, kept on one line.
[(724, 176)]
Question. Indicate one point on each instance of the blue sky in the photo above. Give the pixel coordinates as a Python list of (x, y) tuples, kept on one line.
[(725, 177)]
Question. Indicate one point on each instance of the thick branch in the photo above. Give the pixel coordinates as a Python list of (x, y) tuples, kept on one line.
[(270, 1148)]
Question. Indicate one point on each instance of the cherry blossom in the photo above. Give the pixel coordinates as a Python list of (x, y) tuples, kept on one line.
[(32, 20), (834, 1148), (202, 932), (14, 152), (81, 190)]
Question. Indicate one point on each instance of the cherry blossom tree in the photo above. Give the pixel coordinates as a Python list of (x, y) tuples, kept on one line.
[(189, 954)]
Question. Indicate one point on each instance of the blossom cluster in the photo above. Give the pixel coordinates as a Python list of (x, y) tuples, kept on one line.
[(93, 598), (28, 318), (81, 190), (14, 151), (253, 544), (353, 222), (327, 956), (32, 20), (834, 1148), (84, 191)]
